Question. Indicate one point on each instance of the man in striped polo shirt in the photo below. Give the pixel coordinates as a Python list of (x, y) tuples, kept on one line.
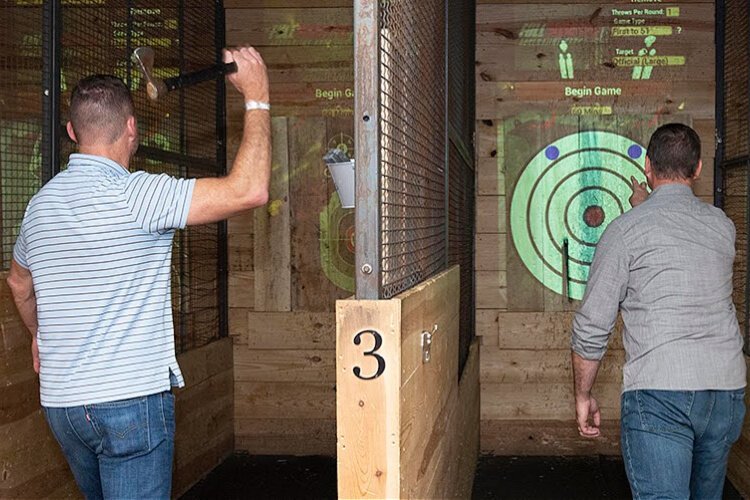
[(91, 279)]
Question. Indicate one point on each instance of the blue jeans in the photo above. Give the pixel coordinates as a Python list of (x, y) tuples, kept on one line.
[(676, 443), (121, 449)]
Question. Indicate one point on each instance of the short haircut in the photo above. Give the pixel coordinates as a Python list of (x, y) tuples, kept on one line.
[(674, 151), (100, 106)]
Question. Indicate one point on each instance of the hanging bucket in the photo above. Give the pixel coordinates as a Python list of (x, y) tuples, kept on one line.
[(343, 178)]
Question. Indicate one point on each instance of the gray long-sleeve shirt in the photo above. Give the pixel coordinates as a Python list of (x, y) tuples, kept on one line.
[(667, 266)]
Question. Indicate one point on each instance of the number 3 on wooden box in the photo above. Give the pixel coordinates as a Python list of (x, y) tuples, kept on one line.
[(373, 353)]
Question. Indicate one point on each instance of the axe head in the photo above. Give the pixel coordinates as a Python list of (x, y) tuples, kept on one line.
[(144, 58)]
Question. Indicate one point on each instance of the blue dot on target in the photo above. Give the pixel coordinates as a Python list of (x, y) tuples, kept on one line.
[(635, 151), (552, 153)]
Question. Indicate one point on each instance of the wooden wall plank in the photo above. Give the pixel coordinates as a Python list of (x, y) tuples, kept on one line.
[(504, 100), (446, 467), (491, 252), (535, 366), (310, 191), (295, 26), (491, 289), (204, 413), (284, 365), (547, 438), (273, 279), (491, 217), (544, 400), (542, 331), (285, 400), (288, 436), (297, 330)]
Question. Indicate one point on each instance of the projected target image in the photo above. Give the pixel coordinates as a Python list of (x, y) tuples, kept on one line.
[(565, 197)]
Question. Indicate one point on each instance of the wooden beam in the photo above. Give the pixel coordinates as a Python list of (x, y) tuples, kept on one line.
[(273, 252), (367, 410)]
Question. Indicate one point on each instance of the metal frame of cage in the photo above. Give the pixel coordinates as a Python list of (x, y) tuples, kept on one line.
[(732, 156), (52, 137), (414, 215)]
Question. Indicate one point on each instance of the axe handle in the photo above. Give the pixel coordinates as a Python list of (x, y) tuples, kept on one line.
[(203, 75)]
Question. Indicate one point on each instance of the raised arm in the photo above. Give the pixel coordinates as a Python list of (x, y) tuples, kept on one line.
[(246, 185)]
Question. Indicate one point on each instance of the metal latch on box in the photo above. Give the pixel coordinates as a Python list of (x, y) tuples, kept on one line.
[(427, 344)]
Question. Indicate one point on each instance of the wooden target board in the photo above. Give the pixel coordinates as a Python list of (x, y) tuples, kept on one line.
[(572, 93)]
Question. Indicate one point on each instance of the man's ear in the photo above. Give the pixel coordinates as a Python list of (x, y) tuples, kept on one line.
[(132, 127), (649, 171), (698, 170), (71, 132)]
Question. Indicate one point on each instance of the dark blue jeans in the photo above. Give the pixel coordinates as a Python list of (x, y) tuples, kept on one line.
[(676, 443), (121, 449)]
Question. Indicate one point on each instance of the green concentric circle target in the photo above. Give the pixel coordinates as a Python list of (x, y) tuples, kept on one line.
[(569, 192)]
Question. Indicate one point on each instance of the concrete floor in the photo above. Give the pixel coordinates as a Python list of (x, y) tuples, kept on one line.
[(243, 476)]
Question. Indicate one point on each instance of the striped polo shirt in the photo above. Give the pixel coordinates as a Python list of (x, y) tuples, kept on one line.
[(98, 242)]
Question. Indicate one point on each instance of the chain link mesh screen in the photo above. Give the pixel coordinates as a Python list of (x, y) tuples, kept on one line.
[(735, 135), (461, 178), (735, 206), (736, 51), (20, 117), (417, 68), (178, 133), (412, 142)]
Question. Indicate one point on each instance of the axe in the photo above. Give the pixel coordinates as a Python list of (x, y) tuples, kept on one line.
[(156, 87)]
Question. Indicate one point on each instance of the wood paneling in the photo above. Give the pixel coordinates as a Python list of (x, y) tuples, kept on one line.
[(286, 265), (204, 412), (524, 104), (412, 432), (547, 438)]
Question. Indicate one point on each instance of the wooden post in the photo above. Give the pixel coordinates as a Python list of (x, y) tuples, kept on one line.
[(406, 428), (368, 381)]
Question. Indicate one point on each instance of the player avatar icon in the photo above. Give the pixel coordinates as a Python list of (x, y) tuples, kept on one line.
[(565, 60), (644, 72)]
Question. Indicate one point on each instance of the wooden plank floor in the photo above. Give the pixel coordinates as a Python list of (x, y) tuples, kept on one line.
[(245, 476)]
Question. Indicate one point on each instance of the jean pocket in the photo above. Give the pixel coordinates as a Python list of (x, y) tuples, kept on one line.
[(122, 426), (664, 411), (736, 416)]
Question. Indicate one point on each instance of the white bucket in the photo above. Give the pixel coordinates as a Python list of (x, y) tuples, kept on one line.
[(343, 177)]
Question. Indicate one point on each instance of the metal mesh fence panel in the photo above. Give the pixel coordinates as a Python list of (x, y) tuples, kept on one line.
[(178, 132), (20, 117), (734, 147), (461, 178), (412, 142), (735, 88), (735, 206)]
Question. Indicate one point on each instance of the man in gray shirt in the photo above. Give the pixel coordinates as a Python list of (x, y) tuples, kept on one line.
[(667, 266)]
